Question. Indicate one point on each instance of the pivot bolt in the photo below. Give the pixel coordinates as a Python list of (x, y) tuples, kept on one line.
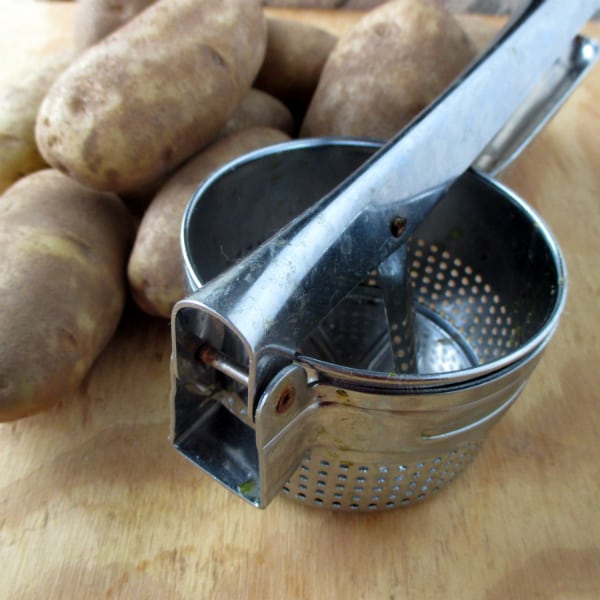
[(398, 226), (286, 399)]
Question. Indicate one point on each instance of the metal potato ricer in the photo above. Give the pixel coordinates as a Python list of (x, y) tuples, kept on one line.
[(360, 315)]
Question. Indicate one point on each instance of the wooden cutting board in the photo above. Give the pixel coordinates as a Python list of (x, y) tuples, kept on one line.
[(94, 502)]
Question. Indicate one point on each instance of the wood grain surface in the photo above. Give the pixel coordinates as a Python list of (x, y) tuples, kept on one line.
[(94, 502)]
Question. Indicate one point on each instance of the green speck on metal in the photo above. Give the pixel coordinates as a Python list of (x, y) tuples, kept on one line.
[(248, 488)]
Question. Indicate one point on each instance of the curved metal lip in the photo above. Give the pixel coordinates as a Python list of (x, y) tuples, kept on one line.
[(376, 379), (419, 384)]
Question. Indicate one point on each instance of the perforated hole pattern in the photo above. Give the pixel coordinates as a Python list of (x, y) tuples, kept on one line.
[(449, 287), (462, 320), (336, 485)]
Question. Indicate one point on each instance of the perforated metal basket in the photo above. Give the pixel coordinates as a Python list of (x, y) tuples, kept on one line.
[(338, 427)]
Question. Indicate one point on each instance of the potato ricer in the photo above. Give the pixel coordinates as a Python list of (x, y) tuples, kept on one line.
[(361, 314)]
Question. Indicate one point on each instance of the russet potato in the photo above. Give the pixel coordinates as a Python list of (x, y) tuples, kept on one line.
[(152, 93), (259, 109), (62, 282), (295, 55), (387, 68), (20, 100)]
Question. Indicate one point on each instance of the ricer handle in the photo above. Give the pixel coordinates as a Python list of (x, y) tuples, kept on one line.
[(548, 95)]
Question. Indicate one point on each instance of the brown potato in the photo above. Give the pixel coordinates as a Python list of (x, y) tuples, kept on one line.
[(95, 19), (20, 101), (152, 93), (259, 109), (393, 63), (155, 267), (295, 56), (64, 250)]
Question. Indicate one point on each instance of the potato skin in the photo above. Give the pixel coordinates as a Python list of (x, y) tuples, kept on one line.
[(259, 109), (95, 19), (295, 55), (20, 101), (152, 93), (155, 268), (62, 281), (393, 63)]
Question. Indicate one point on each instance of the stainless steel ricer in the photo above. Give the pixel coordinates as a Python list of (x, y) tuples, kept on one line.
[(361, 314)]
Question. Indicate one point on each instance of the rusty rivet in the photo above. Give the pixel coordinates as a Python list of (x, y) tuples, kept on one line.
[(398, 226), (286, 399), (207, 354)]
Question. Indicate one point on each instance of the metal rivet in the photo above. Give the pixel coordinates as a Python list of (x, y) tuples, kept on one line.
[(398, 226), (207, 354), (286, 399)]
